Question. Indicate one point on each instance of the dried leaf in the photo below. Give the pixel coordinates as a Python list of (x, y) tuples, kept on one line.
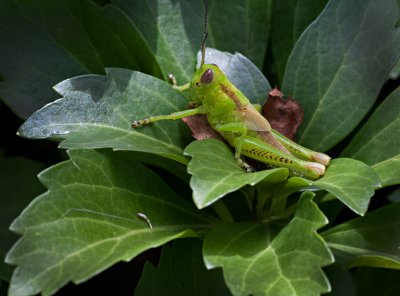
[(283, 113)]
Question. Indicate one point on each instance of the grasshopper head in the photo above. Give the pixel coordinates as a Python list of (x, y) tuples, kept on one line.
[(204, 79)]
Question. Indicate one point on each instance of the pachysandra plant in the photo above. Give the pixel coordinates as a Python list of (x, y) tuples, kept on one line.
[(243, 231)]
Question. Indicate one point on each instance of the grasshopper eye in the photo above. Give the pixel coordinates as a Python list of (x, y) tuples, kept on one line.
[(207, 76)]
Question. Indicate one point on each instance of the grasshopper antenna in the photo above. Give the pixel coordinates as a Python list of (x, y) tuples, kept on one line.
[(203, 44)]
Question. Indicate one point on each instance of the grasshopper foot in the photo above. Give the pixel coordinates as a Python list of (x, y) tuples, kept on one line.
[(139, 123), (245, 166)]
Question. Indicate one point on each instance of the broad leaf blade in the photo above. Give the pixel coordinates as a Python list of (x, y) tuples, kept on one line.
[(181, 271), (19, 185), (351, 181), (351, 43), (257, 262), (289, 19), (241, 72), (372, 240), (389, 171), (379, 138), (96, 112), (215, 172), (91, 212), (241, 26), (44, 42), (174, 30)]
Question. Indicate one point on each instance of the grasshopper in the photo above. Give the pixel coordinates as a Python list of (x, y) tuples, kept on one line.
[(239, 122)]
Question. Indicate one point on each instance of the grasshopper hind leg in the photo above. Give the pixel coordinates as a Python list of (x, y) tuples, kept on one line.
[(261, 151)]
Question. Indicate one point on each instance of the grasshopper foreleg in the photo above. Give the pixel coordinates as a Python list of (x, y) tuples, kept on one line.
[(172, 116)]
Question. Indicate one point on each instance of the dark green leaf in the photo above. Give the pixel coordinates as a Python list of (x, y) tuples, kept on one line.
[(19, 185), (241, 72), (174, 30), (96, 112), (241, 26), (257, 262), (341, 281), (389, 171), (215, 172), (45, 41), (289, 19), (88, 220), (181, 271), (379, 138), (395, 73), (372, 240), (351, 181), (339, 65)]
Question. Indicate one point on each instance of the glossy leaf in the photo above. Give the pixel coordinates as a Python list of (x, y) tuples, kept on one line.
[(181, 271), (45, 41), (372, 240), (256, 260), (96, 112), (88, 220), (351, 181), (389, 171), (174, 30), (339, 65), (19, 185), (241, 26), (289, 19), (379, 138), (241, 72), (215, 172)]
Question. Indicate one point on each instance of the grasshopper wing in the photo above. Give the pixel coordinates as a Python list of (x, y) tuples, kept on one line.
[(253, 119)]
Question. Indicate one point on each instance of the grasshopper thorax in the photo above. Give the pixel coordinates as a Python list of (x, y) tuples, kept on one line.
[(204, 80)]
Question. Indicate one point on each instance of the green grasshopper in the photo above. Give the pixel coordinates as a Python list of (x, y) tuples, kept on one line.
[(239, 122)]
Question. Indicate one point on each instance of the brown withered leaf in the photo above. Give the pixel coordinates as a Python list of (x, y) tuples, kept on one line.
[(200, 127), (283, 113)]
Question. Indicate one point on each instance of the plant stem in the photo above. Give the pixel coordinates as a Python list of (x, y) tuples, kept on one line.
[(222, 211)]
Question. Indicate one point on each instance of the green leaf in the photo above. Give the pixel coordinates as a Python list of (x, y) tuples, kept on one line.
[(389, 171), (181, 271), (19, 186), (241, 72), (339, 65), (379, 138), (372, 240), (174, 30), (88, 220), (395, 73), (257, 262), (45, 41), (241, 26), (289, 19), (96, 112), (351, 181), (215, 172)]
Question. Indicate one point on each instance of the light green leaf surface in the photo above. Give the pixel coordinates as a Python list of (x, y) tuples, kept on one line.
[(289, 19), (389, 171), (44, 42), (241, 72), (379, 138), (339, 65), (351, 181), (373, 240), (181, 271), (19, 185), (215, 172), (97, 111), (257, 262), (88, 220)]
